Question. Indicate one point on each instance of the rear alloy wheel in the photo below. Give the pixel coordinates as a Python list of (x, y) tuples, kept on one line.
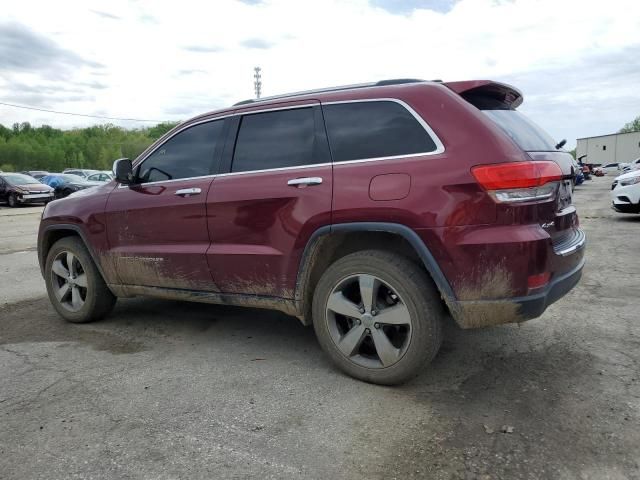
[(378, 316), (368, 321), (13, 200), (75, 286)]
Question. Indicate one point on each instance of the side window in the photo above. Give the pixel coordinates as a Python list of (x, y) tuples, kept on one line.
[(283, 138), (185, 155), (361, 130)]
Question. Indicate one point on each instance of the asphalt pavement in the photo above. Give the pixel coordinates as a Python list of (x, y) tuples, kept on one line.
[(175, 390)]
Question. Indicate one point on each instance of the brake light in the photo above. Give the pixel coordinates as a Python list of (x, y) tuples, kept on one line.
[(519, 181)]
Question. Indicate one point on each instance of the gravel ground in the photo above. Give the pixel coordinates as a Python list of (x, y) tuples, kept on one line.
[(167, 390)]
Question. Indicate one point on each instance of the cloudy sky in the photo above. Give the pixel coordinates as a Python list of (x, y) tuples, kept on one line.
[(577, 62)]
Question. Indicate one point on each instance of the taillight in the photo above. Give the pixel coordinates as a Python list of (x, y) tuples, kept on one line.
[(519, 181)]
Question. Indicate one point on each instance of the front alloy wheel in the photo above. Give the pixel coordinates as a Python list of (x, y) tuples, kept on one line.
[(69, 281), (75, 286), (368, 321)]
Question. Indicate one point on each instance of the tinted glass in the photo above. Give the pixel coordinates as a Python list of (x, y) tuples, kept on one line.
[(529, 136), (185, 155), (284, 138), (374, 129)]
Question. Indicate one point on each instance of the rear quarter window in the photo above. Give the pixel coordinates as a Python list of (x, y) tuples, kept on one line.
[(525, 133), (374, 129)]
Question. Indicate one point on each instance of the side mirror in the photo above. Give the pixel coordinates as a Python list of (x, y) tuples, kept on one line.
[(123, 171)]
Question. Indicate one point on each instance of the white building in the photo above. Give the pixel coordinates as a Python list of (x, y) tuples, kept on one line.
[(614, 148)]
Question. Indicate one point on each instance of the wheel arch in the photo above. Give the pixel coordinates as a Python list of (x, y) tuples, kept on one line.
[(52, 233), (329, 243)]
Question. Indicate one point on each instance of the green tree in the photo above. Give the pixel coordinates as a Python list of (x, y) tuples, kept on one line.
[(160, 129), (633, 126), (26, 147)]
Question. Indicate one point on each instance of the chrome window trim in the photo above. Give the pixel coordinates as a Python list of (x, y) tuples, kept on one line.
[(139, 161), (246, 111), (275, 109), (278, 169), (161, 182)]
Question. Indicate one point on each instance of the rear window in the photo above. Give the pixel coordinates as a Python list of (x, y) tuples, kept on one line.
[(529, 136), (361, 130)]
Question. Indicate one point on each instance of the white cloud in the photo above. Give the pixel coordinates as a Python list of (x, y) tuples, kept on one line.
[(172, 60)]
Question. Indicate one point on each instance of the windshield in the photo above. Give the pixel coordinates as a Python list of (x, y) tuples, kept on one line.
[(19, 179), (529, 136)]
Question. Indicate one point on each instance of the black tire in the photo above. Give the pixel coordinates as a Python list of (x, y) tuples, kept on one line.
[(13, 200), (66, 192), (98, 301), (417, 293)]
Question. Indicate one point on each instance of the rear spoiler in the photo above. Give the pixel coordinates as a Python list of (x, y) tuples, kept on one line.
[(487, 94)]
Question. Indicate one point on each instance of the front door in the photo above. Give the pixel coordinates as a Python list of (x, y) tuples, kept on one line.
[(276, 193), (157, 228)]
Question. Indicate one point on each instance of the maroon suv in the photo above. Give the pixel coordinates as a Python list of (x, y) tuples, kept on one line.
[(370, 211)]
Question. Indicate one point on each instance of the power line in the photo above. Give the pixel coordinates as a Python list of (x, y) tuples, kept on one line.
[(26, 107)]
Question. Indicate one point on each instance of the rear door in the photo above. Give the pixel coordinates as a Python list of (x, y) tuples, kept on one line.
[(157, 228), (274, 192)]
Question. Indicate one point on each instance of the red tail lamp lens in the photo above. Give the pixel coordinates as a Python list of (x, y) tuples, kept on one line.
[(502, 176)]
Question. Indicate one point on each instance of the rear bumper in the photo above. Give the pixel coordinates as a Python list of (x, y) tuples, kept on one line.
[(532, 306), (483, 313)]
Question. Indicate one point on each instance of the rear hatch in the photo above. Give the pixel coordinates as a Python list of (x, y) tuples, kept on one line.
[(499, 102)]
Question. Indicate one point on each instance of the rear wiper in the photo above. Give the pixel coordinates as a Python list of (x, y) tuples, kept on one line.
[(561, 144)]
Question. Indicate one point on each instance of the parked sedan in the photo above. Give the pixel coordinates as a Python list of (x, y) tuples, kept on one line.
[(625, 192), (631, 166), (37, 174), (17, 189), (612, 168), (101, 177), (81, 172), (65, 184)]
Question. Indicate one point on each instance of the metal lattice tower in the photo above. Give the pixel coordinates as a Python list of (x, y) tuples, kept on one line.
[(257, 82)]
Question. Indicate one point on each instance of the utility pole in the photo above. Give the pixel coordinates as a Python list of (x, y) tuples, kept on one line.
[(257, 82)]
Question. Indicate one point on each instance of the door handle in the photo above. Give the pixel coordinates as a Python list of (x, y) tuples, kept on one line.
[(304, 181), (187, 192)]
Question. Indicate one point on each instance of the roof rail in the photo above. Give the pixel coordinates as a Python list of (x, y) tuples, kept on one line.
[(381, 83), (397, 81)]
